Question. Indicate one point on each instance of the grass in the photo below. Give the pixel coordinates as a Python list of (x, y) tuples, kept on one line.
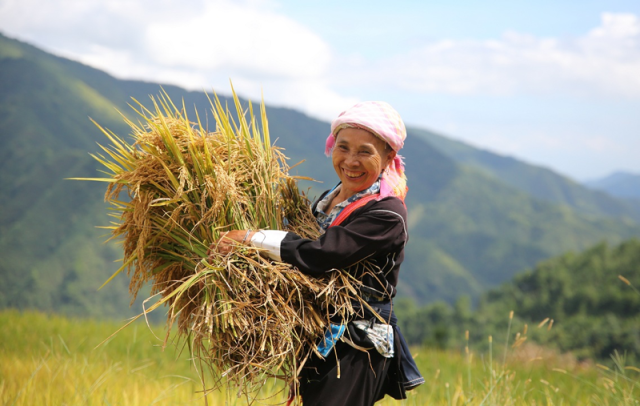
[(52, 360)]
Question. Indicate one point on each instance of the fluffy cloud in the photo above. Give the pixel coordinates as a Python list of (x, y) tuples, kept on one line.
[(605, 61), (250, 41), (198, 45), (201, 44)]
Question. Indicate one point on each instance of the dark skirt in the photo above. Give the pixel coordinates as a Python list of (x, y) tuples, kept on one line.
[(361, 382)]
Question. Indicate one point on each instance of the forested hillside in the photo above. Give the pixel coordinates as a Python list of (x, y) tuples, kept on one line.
[(470, 230), (590, 300)]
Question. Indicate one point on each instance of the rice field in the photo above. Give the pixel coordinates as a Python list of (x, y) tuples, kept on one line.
[(52, 360)]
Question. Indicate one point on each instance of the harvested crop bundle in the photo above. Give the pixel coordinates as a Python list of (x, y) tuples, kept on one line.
[(244, 317)]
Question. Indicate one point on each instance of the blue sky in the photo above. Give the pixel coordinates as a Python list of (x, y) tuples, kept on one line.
[(433, 20), (554, 83)]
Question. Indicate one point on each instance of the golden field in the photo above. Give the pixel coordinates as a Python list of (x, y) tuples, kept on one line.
[(52, 360)]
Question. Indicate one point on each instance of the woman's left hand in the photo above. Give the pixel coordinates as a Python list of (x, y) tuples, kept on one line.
[(231, 239)]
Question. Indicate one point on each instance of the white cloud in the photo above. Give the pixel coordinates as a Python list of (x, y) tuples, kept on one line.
[(605, 61), (203, 44), (248, 40), (200, 45)]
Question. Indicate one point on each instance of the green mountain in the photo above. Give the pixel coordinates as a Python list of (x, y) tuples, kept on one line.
[(469, 230), (540, 182), (618, 184), (589, 299), (594, 311)]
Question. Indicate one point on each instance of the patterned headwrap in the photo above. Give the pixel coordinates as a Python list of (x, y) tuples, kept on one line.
[(385, 123)]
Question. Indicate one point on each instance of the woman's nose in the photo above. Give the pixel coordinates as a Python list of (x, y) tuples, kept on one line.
[(352, 160)]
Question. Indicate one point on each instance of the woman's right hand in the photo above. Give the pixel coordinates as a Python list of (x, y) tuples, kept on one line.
[(229, 240)]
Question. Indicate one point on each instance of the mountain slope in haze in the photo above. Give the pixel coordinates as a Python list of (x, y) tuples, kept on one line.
[(52, 256), (618, 184), (492, 231), (469, 230), (537, 181)]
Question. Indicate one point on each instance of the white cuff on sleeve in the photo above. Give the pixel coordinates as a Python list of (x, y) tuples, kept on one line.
[(269, 240)]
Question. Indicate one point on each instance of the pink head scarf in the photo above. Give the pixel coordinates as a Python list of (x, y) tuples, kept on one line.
[(385, 123)]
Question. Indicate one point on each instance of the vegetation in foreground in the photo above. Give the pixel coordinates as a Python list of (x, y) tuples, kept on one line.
[(51, 360), (590, 298)]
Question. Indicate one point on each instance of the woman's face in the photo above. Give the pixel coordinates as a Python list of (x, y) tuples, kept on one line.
[(359, 158)]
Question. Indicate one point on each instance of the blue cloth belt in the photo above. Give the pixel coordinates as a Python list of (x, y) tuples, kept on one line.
[(331, 336)]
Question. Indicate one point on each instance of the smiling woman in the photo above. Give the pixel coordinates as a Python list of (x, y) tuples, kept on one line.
[(359, 158), (363, 357)]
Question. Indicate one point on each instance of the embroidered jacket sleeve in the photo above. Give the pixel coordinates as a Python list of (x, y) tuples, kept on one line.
[(378, 228)]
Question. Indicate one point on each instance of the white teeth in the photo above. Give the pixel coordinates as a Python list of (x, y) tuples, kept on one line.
[(353, 174)]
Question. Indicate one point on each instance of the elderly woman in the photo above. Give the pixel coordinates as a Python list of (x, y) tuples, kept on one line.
[(363, 218)]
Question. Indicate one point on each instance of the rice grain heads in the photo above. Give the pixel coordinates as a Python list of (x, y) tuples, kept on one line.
[(244, 318)]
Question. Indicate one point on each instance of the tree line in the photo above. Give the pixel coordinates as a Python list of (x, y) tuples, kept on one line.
[(588, 303)]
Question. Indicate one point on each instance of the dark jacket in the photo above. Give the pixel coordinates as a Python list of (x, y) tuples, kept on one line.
[(376, 232)]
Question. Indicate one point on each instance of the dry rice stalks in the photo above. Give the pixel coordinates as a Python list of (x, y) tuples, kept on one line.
[(244, 317)]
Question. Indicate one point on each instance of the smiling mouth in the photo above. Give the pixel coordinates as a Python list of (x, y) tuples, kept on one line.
[(352, 175)]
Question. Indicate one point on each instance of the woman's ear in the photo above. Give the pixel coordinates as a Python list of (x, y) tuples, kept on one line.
[(391, 155)]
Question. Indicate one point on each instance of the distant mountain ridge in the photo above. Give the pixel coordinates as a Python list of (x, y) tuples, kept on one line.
[(618, 184), (470, 229), (544, 183)]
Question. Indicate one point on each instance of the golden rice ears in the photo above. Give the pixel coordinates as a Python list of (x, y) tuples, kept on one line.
[(243, 317)]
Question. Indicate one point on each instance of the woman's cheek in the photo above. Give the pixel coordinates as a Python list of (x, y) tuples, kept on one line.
[(375, 161)]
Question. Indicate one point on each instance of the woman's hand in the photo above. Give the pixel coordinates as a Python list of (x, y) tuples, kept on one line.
[(231, 239)]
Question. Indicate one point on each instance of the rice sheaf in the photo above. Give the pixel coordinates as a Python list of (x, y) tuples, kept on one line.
[(173, 188)]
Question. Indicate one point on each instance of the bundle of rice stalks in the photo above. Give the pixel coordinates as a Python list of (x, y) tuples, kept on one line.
[(244, 317)]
